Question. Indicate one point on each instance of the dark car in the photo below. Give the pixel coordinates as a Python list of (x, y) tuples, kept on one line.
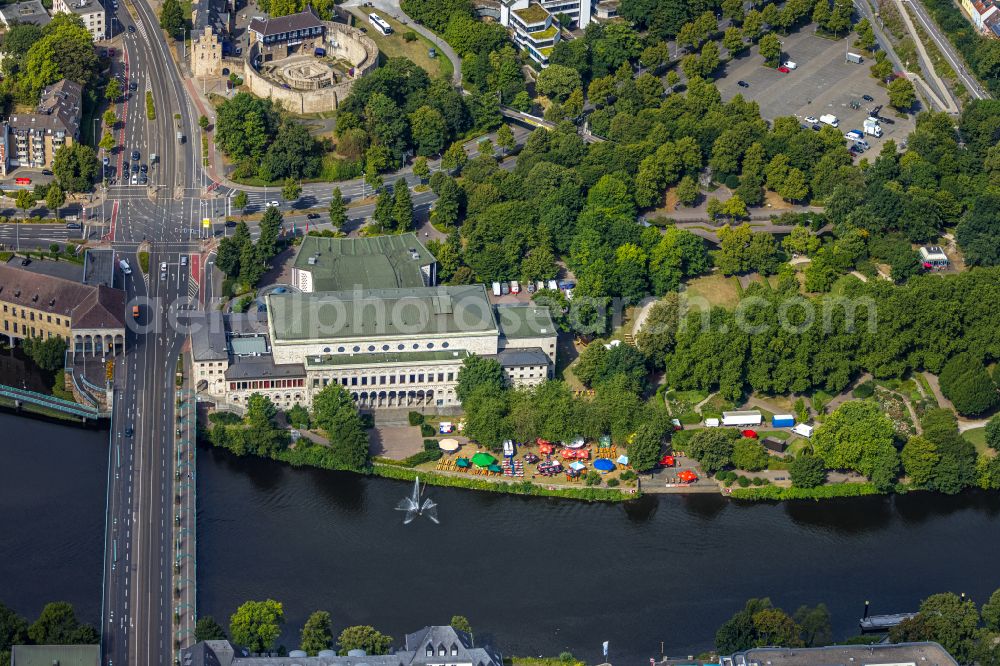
[(313, 216), (125, 166), (104, 53), (131, 28), (133, 86), (816, 128), (129, 431), (230, 223), (135, 154), (742, 84), (73, 225), (135, 168), (143, 168), (868, 98)]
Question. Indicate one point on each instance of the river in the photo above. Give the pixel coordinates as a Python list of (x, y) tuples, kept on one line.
[(537, 575)]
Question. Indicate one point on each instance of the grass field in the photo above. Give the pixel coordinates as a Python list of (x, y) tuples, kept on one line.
[(977, 436), (395, 46), (717, 289)]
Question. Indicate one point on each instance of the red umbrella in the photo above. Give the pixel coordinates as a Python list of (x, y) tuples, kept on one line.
[(687, 476), (750, 433), (667, 461)]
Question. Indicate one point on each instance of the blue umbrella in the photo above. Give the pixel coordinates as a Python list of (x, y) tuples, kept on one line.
[(604, 465)]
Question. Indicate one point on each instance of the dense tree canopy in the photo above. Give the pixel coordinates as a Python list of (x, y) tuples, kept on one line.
[(256, 625)]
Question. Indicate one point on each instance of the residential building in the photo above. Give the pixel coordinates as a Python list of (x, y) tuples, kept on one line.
[(283, 36), (388, 347), (30, 11), (32, 304), (55, 655), (605, 10), (32, 139), (378, 262), (431, 646), (982, 13), (91, 11), (898, 654), (933, 257)]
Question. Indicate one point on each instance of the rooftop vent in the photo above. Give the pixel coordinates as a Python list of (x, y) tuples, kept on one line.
[(17, 294), (52, 302), (34, 299)]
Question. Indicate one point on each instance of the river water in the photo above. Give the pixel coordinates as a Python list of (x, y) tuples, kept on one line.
[(537, 575)]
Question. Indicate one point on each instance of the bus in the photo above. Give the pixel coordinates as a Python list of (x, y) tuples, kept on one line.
[(380, 23)]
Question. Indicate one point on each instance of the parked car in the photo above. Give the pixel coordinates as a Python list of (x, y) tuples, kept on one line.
[(107, 161), (531, 287), (784, 70), (73, 225), (313, 216), (742, 84), (273, 204), (143, 168), (515, 287), (868, 98), (135, 155), (790, 64), (504, 289), (812, 120), (816, 128)]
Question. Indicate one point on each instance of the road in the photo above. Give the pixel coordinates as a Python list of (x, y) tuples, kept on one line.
[(951, 55), (137, 625)]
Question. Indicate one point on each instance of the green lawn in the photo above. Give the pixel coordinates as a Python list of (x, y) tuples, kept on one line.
[(395, 46), (717, 289), (977, 436), (797, 446)]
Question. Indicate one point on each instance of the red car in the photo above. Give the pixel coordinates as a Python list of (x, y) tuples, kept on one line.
[(784, 70), (752, 434)]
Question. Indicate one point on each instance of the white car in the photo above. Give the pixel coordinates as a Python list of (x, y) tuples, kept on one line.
[(273, 204), (790, 64), (812, 119)]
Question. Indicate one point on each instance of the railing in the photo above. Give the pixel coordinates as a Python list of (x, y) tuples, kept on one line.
[(50, 402)]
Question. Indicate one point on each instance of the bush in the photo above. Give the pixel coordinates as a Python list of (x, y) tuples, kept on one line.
[(409, 36), (225, 418), (821, 492), (732, 181), (807, 471), (613, 483), (592, 478), (431, 445), (743, 481), (421, 457), (966, 383), (757, 481), (427, 430), (628, 475), (864, 390), (415, 418)]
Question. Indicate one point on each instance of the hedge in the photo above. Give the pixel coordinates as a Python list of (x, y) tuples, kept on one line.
[(427, 430), (415, 418), (820, 492), (421, 457), (522, 488)]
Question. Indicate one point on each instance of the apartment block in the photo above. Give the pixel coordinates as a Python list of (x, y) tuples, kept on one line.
[(32, 139), (91, 11)]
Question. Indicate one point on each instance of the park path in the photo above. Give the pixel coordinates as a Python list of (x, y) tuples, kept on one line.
[(947, 104)]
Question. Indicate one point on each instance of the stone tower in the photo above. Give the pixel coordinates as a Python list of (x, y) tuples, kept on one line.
[(206, 54)]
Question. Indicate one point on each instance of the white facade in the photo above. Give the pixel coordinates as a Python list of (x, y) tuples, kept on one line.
[(91, 11)]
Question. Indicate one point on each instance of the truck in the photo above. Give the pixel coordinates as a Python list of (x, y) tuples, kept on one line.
[(872, 128), (854, 135), (744, 418), (783, 420), (180, 137), (829, 119), (803, 429), (855, 58)]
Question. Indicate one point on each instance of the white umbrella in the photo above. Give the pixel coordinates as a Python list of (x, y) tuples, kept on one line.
[(448, 445), (577, 466)]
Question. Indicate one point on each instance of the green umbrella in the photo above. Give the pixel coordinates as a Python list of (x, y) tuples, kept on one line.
[(495, 468), (462, 462), (483, 459)]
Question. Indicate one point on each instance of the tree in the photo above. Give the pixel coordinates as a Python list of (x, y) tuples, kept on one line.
[(207, 629), (646, 446), (901, 94), (64, 51), (708, 60), (110, 119), (267, 240), (402, 209), (420, 168), (858, 436), (992, 431), (338, 210), (25, 200), (733, 9), (113, 90), (966, 383), (291, 190), (74, 166), (172, 18), (256, 625), (658, 334), (816, 627), (57, 625), (978, 230), (240, 201), (447, 207), (478, 372), (732, 40), (107, 142), (920, 458), (991, 612), (794, 187), (461, 623), (365, 638), (800, 240), (382, 215), (687, 191), (317, 633), (753, 23), (334, 411), (505, 139), (749, 455), (946, 619), (13, 630), (558, 81), (866, 34), (713, 448), (770, 48), (455, 158), (429, 130), (54, 198)]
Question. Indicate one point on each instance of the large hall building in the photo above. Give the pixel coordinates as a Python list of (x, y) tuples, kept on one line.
[(387, 335)]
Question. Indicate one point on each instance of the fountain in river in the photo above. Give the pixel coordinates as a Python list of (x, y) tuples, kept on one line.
[(413, 508)]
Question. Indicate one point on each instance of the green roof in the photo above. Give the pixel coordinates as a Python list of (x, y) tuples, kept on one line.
[(525, 321), (64, 655), (380, 313), (380, 358), (542, 35), (532, 14), (376, 262)]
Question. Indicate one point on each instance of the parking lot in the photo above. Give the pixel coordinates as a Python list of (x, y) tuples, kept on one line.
[(823, 82)]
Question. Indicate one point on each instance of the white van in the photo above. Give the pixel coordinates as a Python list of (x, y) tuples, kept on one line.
[(126, 269), (553, 285), (803, 429), (711, 423), (540, 285), (496, 288)]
